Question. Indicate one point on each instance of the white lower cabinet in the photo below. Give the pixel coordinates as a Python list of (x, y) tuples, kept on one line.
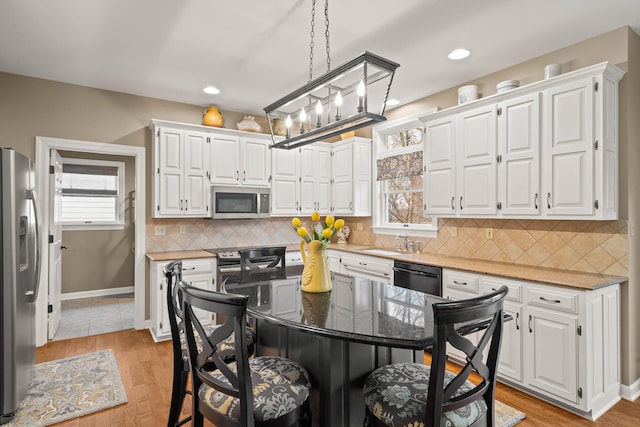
[(561, 345), (199, 272)]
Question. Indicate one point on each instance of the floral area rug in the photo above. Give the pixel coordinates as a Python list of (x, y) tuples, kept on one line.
[(506, 416), (69, 388)]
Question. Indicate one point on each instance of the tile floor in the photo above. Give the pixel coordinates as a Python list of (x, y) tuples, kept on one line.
[(96, 315)]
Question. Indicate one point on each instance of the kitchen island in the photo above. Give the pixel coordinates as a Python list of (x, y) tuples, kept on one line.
[(339, 336)]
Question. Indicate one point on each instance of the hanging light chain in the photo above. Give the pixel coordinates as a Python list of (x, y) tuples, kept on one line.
[(326, 32), (313, 23)]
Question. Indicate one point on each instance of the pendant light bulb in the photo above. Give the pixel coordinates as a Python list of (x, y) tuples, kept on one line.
[(338, 99), (361, 88), (319, 108), (303, 115), (288, 122)]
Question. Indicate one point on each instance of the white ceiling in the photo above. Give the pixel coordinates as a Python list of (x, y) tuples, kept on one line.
[(256, 51)]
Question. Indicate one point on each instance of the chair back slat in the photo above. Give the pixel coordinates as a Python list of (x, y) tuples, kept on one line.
[(269, 261), (480, 358)]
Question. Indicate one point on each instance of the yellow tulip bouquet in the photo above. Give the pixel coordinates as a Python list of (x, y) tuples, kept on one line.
[(320, 230)]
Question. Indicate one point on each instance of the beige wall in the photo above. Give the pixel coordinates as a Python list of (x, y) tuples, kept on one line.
[(101, 259)]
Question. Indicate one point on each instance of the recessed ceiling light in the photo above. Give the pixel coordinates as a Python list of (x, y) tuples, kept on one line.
[(211, 90), (393, 102), (457, 54)]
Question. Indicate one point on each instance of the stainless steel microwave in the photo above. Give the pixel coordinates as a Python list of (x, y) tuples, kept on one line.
[(240, 202)]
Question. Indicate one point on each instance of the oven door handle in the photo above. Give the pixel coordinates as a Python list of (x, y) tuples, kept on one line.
[(419, 273)]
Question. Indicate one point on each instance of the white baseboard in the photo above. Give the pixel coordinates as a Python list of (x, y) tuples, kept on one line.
[(98, 293), (630, 392)]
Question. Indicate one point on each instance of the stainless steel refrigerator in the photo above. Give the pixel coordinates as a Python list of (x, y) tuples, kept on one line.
[(19, 271)]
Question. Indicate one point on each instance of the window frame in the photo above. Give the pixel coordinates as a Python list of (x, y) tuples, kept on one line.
[(379, 135), (119, 223)]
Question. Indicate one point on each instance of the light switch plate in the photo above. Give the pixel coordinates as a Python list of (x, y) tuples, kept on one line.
[(454, 231), (183, 229), (161, 230), (489, 233)]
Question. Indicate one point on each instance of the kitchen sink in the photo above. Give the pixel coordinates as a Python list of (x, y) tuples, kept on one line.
[(380, 252)]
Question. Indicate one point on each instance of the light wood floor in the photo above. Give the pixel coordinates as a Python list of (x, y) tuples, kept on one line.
[(145, 368)]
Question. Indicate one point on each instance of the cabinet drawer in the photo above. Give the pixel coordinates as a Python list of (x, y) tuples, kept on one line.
[(367, 265), (488, 285), (203, 266), (460, 281), (553, 299)]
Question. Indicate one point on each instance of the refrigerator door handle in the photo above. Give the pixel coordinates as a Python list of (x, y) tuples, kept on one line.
[(33, 294)]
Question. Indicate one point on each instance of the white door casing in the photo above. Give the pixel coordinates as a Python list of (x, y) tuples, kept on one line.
[(55, 247), (43, 146)]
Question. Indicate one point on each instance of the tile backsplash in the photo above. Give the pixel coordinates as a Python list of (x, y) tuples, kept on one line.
[(587, 246), (205, 233)]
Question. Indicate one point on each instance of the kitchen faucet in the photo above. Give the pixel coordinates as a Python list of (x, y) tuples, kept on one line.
[(402, 246)]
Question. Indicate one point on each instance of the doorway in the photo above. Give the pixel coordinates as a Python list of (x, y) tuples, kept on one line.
[(43, 147)]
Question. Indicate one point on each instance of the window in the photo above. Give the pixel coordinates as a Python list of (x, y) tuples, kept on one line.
[(398, 149), (92, 194)]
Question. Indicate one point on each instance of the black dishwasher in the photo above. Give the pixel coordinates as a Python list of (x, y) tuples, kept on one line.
[(418, 277)]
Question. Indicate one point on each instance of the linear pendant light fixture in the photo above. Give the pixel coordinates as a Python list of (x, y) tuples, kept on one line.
[(337, 102)]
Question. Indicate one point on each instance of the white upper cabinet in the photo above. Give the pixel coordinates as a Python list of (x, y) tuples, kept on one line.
[(315, 177), (351, 170), (545, 150), (285, 185), (180, 174), (240, 160), (519, 155), (188, 159), (476, 176), (439, 167), (328, 178)]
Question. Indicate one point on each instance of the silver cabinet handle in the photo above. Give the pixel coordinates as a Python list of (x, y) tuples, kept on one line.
[(530, 319), (555, 301), (460, 283), (186, 204), (460, 202), (453, 199), (517, 318), (237, 175), (535, 201), (351, 205), (181, 204), (548, 200), (244, 176)]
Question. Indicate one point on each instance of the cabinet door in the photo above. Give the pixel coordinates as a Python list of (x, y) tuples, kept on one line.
[(439, 167), (519, 150), (225, 160), (551, 346), (256, 162), (170, 174), (510, 362), (196, 174), (476, 146), (285, 185), (308, 202), (323, 179), (342, 162), (568, 151)]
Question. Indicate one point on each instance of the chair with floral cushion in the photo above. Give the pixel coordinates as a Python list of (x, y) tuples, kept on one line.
[(173, 273), (412, 394), (264, 390)]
